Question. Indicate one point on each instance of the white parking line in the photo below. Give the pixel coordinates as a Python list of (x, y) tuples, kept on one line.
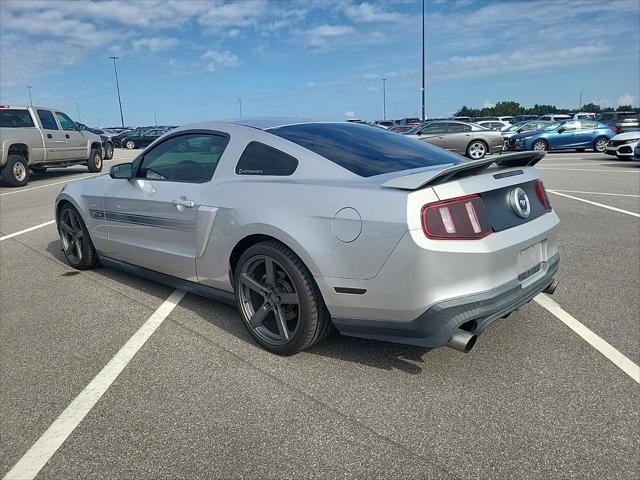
[(619, 360), (45, 186), (589, 170), (26, 230), (52, 184), (602, 205), (44, 448), (598, 193)]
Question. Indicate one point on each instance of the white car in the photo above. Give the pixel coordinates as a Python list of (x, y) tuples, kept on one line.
[(496, 125), (623, 144)]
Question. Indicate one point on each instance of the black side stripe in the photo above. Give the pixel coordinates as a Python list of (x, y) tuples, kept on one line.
[(144, 220)]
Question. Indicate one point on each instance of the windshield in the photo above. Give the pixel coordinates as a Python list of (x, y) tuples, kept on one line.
[(363, 150), (552, 126)]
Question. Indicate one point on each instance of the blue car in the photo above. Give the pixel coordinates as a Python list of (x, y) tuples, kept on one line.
[(569, 134)]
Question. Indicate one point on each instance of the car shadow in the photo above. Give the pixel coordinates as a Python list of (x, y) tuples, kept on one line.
[(381, 355)]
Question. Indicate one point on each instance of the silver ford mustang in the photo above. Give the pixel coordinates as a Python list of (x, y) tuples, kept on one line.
[(312, 226)]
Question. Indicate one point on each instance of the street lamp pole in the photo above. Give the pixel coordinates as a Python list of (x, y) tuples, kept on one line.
[(30, 101), (115, 70), (422, 89), (384, 99), (155, 118), (240, 103)]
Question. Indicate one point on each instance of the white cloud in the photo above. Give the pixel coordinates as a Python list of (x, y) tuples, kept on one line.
[(488, 104), (368, 13), (371, 88), (627, 100), (516, 61), (323, 35), (311, 85), (154, 44), (214, 60), (349, 114)]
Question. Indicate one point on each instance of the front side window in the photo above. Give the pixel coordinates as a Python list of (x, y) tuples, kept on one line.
[(261, 159), (66, 122), (363, 150), (47, 120), (190, 158), (15, 119)]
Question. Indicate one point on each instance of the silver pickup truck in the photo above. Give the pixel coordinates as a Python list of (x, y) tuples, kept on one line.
[(34, 138)]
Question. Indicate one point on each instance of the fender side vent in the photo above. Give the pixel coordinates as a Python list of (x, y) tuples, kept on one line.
[(351, 291)]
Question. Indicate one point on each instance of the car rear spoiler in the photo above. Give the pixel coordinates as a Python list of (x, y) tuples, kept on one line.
[(414, 181)]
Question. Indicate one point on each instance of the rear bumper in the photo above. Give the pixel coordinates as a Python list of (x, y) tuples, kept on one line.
[(435, 326)]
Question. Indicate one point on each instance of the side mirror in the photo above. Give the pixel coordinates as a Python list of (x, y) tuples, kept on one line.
[(122, 171), (560, 130)]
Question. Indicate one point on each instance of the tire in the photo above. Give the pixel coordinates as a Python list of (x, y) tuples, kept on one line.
[(108, 151), (38, 170), (540, 146), (15, 172), (306, 322), (477, 150), (94, 164), (600, 145), (77, 246), (130, 144)]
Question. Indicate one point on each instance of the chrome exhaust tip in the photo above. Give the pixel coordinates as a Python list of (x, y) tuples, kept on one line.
[(551, 288), (462, 341)]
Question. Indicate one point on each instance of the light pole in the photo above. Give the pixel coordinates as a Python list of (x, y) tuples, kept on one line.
[(422, 89), (30, 101), (384, 99), (115, 70), (240, 104), (155, 118)]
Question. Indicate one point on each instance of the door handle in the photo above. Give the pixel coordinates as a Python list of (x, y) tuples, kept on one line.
[(49, 135), (67, 135), (183, 202)]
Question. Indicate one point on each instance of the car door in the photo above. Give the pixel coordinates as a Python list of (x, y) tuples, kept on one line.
[(566, 136), (154, 219), (76, 142), (457, 137), (55, 144), (585, 136), (433, 133)]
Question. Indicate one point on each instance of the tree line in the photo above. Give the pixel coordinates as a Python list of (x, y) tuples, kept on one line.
[(514, 108)]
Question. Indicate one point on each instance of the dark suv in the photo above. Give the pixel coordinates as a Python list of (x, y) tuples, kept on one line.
[(620, 122)]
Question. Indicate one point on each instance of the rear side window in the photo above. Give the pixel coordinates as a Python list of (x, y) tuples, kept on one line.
[(363, 150), (458, 127), (261, 159), (15, 119), (47, 120)]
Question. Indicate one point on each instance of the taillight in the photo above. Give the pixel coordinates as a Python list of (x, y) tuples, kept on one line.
[(541, 193), (463, 218)]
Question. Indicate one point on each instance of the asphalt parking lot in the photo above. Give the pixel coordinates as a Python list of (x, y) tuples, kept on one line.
[(200, 399)]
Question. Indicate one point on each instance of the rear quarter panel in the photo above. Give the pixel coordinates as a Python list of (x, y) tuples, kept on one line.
[(30, 136)]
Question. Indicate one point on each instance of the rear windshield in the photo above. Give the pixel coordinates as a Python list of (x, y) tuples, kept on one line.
[(15, 119), (363, 150), (628, 116)]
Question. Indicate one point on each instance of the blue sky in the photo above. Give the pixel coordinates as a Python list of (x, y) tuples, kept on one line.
[(191, 61)]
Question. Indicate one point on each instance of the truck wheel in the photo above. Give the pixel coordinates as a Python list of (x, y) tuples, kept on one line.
[(38, 170), (94, 164), (15, 173)]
